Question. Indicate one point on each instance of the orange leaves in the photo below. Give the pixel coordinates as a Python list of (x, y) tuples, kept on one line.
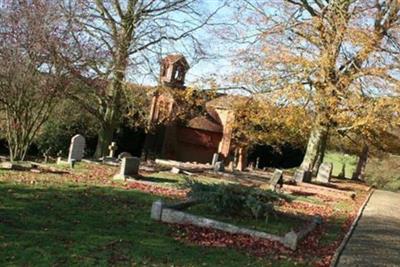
[(260, 121)]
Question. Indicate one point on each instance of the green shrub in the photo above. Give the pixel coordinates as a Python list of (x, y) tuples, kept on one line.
[(233, 199)]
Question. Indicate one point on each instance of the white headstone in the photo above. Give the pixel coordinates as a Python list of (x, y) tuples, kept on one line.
[(299, 175), (215, 159), (77, 148), (129, 167), (325, 173), (277, 180)]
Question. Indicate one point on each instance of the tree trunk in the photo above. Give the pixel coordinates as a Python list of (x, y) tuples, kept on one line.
[(361, 165), (105, 137), (321, 152), (315, 148), (112, 117)]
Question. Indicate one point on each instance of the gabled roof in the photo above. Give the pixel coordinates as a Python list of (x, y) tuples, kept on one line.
[(174, 58), (204, 123), (209, 122)]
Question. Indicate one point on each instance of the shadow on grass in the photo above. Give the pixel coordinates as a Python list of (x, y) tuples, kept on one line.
[(333, 186), (157, 180), (302, 194), (91, 226)]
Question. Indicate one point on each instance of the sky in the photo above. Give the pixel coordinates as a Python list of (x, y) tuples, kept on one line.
[(220, 52), (215, 66)]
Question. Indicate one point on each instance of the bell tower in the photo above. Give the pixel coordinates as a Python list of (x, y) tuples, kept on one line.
[(173, 71)]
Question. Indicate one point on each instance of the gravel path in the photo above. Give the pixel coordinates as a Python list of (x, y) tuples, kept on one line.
[(376, 239)]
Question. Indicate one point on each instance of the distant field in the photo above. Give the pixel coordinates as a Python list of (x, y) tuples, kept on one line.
[(384, 172), (338, 159)]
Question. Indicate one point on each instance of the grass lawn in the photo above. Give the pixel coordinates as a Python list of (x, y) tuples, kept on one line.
[(73, 225), (338, 159), (278, 225), (81, 217)]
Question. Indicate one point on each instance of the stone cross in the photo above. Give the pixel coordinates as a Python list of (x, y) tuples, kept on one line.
[(129, 168), (77, 148), (113, 147), (277, 180), (325, 173)]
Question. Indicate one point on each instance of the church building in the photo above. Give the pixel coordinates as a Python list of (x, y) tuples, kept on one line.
[(200, 137)]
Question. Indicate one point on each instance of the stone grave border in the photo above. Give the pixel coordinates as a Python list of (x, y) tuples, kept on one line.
[(174, 214)]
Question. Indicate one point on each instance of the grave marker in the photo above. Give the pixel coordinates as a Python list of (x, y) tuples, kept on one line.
[(324, 173), (77, 148), (124, 155), (277, 180), (129, 168), (113, 147), (215, 159), (302, 176), (219, 167), (299, 175)]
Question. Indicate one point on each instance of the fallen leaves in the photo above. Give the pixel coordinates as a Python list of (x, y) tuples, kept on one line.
[(157, 190), (311, 251)]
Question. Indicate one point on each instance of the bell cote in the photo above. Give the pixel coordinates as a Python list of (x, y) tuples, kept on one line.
[(173, 71)]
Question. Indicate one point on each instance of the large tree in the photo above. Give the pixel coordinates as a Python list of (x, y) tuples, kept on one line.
[(30, 81), (114, 39), (334, 57)]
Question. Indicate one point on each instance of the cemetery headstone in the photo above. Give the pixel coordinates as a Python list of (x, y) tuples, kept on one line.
[(124, 155), (6, 165), (277, 180), (215, 159), (308, 177), (258, 163), (325, 173), (299, 175), (129, 168), (219, 166), (77, 148), (113, 147), (231, 166), (302, 176), (175, 170)]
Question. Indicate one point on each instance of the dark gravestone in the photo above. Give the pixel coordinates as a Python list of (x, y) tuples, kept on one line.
[(302, 176), (124, 155), (307, 177), (219, 166), (277, 180), (325, 173), (129, 167)]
